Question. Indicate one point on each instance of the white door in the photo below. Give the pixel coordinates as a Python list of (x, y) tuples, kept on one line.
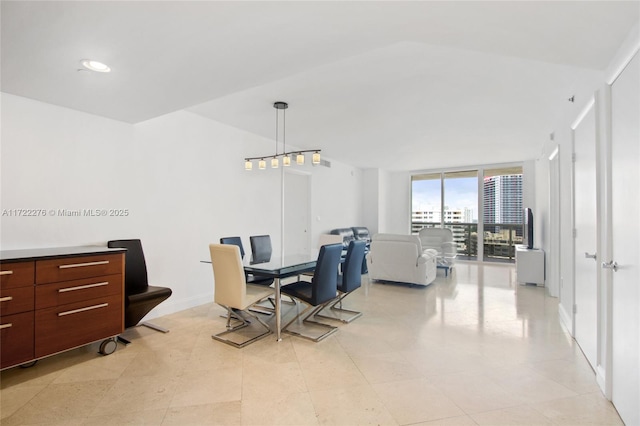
[(296, 212), (625, 184), (585, 215)]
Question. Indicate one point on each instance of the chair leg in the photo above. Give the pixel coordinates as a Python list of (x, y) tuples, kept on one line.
[(314, 310), (337, 312), (244, 323)]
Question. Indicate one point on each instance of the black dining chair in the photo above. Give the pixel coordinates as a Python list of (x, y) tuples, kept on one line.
[(260, 248), (251, 279), (322, 289), (140, 297), (233, 240), (349, 281)]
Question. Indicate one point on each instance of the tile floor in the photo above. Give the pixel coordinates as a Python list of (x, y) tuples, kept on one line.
[(473, 348)]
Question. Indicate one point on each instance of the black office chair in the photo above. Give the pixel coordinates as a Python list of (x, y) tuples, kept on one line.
[(260, 248), (251, 279), (139, 297), (322, 289), (349, 281)]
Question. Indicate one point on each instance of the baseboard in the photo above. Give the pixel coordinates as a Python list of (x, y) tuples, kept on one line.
[(600, 379), (566, 319)]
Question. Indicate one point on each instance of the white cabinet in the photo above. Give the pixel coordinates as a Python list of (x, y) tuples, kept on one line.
[(530, 266)]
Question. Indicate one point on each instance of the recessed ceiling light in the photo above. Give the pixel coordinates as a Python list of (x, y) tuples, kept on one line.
[(95, 65)]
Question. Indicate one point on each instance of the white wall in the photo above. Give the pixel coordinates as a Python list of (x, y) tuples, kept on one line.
[(398, 203), (337, 198), (371, 199), (180, 176)]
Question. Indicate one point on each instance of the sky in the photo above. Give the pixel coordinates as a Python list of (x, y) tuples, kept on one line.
[(459, 193)]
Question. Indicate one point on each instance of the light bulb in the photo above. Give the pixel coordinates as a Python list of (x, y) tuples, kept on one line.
[(262, 164), (300, 158), (274, 163), (248, 165), (286, 161), (316, 158)]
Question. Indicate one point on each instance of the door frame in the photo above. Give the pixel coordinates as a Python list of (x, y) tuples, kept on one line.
[(555, 225), (594, 104)]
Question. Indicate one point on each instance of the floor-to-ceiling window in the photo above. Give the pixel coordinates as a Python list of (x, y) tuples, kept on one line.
[(461, 200), (461, 210), (502, 212), (426, 201)]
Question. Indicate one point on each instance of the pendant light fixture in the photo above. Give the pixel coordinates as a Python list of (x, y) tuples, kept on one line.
[(286, 156)]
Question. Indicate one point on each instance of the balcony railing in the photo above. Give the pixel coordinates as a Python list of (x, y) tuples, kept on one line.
[(500, 239)]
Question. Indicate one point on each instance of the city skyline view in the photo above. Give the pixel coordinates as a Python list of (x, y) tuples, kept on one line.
[(460, 193), (502, 195)]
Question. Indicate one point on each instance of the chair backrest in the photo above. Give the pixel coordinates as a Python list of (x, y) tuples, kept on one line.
[(325, 277), (233, 240), (261, 247), (228, 274), (135, 268), (352, 266), (400, 238), (433, 238)]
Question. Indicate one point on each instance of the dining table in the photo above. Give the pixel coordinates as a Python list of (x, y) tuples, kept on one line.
[(278, 268)]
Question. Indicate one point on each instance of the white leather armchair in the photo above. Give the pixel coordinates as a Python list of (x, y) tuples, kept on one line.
[(400, 258), (440, 240)]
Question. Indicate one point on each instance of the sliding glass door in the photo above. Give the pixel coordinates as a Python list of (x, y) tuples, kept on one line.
[(448, 200), (502, 213), (426, 201), (459, 199), (461, 211)]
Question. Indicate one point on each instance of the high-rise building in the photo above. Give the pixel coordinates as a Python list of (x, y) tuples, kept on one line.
[(503, 199)]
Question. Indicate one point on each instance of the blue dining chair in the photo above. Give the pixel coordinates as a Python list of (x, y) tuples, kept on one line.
[(251, 279), (322, 289), (260, 248), (349, 281)]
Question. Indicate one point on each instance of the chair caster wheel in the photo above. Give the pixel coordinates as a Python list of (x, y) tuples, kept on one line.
[(107, 347), (29, 364)]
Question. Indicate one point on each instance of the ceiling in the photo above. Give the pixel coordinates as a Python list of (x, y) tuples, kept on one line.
[(391, 84)]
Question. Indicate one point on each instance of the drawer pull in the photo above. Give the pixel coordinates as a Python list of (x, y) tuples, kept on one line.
[(88, 308), (6, 272), (6, 326), (6, 299), (81, 287), (80, 265)]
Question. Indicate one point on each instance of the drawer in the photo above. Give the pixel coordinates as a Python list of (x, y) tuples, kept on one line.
[(76, 324), (16, 339), (16, 300), (78, 267), (16, 274), (62, 293)]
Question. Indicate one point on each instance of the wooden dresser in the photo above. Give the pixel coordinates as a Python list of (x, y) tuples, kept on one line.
[(52, 300)]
